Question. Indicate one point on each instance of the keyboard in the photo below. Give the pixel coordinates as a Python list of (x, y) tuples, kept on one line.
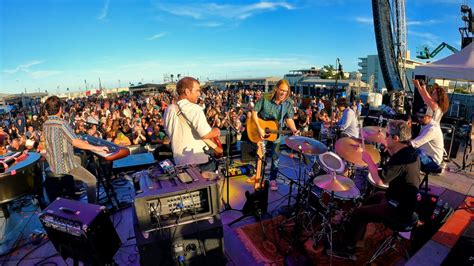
[(115, 152)]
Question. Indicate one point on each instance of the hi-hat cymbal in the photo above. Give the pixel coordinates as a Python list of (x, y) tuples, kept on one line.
[(336, 183), (374, 134), (350, 149), (308, 145)]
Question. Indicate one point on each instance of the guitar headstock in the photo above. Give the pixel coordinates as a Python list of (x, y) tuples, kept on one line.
[(260, 149)]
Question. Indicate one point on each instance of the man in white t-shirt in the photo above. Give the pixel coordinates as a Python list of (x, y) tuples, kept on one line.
[(187, 133), (430, 140)]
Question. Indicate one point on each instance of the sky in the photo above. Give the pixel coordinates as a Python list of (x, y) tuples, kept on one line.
[(56, 45)]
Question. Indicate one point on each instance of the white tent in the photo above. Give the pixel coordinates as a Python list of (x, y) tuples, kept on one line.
[(459, 66)]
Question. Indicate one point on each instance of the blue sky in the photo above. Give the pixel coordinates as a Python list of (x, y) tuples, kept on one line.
[(57, 44)]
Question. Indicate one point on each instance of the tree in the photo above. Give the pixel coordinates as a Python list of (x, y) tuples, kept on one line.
[(328, 72)]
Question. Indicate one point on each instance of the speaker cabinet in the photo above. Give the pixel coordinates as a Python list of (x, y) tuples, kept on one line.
[(193, 243), (80, 231)]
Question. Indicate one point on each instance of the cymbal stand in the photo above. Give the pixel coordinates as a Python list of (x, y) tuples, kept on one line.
[(326, 227), (295, 240)]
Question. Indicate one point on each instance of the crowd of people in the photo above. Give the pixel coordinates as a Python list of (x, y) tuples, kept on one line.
[(138, 119)]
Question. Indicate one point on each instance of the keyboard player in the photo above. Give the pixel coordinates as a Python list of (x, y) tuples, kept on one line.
[(60, 140)]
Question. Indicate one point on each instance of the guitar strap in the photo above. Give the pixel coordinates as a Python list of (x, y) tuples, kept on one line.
[(183, 118), (281, 114)]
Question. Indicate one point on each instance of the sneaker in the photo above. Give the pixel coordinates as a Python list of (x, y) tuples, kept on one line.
[(273, 185)]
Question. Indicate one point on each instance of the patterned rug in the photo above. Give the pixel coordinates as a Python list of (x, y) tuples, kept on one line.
[(269, 243)]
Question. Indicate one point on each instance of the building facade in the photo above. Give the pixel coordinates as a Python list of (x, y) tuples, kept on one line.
[(372, 74)]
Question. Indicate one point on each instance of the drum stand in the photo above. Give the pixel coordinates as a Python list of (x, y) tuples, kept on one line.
[(296, 234), (326, 227)]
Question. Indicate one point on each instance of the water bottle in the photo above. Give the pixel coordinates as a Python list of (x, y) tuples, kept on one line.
[(246, 169), (437, 209)]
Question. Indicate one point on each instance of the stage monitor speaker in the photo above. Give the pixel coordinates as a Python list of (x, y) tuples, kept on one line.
[(192, 243), (248, 151), (81, 231)]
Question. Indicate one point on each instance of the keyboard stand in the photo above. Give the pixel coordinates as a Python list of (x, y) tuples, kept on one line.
[(103, 171)]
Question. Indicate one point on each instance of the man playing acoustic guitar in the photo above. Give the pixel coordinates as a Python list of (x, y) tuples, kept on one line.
[(276, 106)]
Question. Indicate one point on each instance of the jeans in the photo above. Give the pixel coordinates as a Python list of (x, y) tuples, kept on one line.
[(274, 147), (82, 174), (375, 209)]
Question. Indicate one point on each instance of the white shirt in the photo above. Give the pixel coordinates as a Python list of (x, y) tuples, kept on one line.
[(437, 115), (430, 140), (186, 143), (349, 123)]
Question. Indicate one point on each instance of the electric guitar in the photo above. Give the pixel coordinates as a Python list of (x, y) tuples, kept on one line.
[(271, 130), (216, 145), (259, 169), (256, 203)]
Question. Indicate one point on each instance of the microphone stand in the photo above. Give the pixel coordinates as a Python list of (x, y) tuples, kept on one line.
[(227, 163)]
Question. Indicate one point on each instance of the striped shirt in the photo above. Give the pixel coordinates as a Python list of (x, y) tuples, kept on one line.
[(59, 150)]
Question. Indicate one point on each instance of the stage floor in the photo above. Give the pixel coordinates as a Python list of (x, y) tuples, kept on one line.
[(15, 232)]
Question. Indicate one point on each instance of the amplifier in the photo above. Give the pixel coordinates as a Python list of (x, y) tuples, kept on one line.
[(167, 202), (80, 231), (196, 243)]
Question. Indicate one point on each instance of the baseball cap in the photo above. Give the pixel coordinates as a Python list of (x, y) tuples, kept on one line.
[(424, 111)]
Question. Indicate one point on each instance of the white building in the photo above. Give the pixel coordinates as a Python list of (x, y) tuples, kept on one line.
[(370, 66)]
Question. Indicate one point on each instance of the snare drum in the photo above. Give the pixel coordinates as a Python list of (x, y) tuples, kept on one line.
[(343, 201), (330, 162)]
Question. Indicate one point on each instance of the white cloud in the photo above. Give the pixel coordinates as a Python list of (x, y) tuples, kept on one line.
[(156, 36), (365, 20), (422, 23), (201, 11), (105, 10), (424, 35), (209, 24), (44, 74), (24, 67)]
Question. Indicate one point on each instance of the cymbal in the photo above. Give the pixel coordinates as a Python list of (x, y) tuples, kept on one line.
[(374, 134), (336, 183), (350, 149), (308, 145)]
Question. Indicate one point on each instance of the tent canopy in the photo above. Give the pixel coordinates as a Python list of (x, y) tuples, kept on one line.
[(458, 66)]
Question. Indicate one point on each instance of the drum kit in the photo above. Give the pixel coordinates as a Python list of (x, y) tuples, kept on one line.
[(330, 190)]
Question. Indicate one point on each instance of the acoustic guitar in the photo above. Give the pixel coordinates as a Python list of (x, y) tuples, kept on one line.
[(271, 130)]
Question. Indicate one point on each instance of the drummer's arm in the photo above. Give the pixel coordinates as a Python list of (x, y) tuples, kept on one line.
[(373, 170)]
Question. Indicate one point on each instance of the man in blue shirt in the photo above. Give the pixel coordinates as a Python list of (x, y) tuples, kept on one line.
[(277, 106), (348, 124)]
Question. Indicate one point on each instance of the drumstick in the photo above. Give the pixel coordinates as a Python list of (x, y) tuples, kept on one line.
[(362, 136)]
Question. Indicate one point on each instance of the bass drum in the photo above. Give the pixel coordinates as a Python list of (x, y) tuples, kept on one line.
[(343, 201)]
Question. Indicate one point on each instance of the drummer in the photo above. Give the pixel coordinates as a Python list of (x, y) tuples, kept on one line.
[(348, 123), (398, 202)]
